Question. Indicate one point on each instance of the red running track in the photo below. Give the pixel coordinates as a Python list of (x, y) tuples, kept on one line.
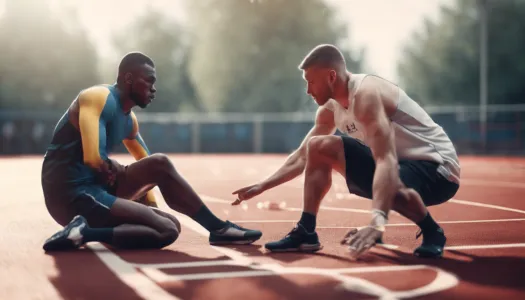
[(485, 256)]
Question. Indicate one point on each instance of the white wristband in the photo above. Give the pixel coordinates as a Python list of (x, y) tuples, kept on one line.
[(379, 219)]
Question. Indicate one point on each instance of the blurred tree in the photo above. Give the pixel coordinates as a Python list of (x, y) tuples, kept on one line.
[(44, 62), (441, 64), (245, 53), (166, 42)]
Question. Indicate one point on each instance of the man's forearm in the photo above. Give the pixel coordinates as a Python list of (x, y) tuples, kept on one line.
[(293, 167), (386, 184)]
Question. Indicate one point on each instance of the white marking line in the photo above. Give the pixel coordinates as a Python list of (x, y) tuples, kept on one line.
[(141, 284), (445, 279), (355, 210), (155, 274), (364, 211), (490, 183), (391, 224), (473, 247), (193, 264), (498, 207), (219, 275), (465, 247), (471, 203), (265, 221), (464, 182), (222, 201), (196, 264)]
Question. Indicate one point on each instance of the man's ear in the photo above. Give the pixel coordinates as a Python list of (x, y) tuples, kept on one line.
[(128, 78), (332, 76)]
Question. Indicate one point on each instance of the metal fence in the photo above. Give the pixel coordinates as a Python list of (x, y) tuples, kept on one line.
[(29, 133)]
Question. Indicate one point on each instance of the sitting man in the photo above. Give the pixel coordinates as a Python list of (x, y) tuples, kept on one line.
[(91, 195), (391, 152)]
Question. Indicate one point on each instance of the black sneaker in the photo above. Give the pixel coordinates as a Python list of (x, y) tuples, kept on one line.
[(234, 234), (68, 238), (433, 244), (298, 240)]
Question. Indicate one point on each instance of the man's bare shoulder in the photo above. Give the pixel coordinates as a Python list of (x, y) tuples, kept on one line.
[(324, 116), (375, 91)]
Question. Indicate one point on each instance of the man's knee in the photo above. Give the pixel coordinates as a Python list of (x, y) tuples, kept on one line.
[(168, 216), (160, 164), (170, 236), (405, 196), (325, 147), (169, 233), (159, 160)]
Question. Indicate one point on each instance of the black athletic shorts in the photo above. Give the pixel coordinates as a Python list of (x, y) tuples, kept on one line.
[(419, 175)]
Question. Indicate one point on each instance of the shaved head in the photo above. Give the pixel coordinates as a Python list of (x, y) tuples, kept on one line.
[(132, 60), (324, 56), (324, 70)]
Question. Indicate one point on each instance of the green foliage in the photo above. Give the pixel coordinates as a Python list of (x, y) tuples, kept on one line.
[(166, 42), (442, 63), (245, 54), (43, 62)]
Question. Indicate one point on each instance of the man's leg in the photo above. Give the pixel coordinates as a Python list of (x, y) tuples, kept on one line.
[(118, 222), (424, 187), (157, 170), (126, 224), (324, 154), (417, 178), (358, 167)]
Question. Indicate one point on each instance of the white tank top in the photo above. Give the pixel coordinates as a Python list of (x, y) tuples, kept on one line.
[(417, 136)]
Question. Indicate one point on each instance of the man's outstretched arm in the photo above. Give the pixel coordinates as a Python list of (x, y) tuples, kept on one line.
[(296, 162)]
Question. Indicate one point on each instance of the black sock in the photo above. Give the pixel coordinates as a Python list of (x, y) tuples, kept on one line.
[(308, 221), (207, 219), (428, 224), (104, 235)]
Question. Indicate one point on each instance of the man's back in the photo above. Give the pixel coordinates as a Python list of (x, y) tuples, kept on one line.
[(64, 158)]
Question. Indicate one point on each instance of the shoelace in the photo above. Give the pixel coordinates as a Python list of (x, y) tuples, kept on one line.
[(419, 233), (294, 230), (235, 226)]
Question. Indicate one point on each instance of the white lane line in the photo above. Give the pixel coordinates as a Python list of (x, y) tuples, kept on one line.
[(196, 264), (210, 199), (498, 207), (126, 272), (497, 246), (490, 183), (440, 222), (365, 211), (349, 283), (391, 224), (192, 264)]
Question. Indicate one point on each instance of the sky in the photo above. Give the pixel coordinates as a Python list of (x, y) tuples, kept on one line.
[(380, 26), (384, 26)]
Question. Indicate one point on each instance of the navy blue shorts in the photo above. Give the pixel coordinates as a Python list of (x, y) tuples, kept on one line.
[(419, 175), (92, 201)]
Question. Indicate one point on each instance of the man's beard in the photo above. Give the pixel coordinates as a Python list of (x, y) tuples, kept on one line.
[(135, 97)]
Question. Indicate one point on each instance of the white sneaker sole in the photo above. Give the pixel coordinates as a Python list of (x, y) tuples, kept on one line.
[(301, 248)]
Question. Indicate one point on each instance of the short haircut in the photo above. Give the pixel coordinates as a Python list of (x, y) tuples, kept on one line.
[(324, 56), (133, 59)]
